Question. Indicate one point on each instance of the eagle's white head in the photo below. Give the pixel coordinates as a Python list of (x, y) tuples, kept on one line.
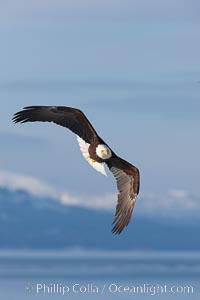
[(103, 151)]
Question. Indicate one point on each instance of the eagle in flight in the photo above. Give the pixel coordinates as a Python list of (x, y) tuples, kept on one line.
[(95, 151)]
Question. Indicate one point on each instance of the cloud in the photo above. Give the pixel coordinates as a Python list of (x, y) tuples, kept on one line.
[(15, 181), (104, 202), (176, 203), (38, 188)]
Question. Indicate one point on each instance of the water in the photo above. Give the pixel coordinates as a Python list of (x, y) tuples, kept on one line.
[(85, 275)]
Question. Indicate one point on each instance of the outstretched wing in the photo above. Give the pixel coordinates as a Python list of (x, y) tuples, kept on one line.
[(128, 179), (71, 118)]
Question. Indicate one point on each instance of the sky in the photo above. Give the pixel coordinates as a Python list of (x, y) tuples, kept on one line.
[(133, 67)]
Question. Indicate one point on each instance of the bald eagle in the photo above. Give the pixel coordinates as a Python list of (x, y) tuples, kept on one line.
[(95, 151)]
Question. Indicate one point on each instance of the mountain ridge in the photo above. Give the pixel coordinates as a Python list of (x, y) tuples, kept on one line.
[(27, 222)]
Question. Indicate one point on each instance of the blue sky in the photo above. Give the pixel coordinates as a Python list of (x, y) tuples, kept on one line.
[(132, 66)]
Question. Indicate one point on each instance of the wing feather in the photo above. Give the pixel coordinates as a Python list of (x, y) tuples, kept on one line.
[(127, 179), (71, 118), (126, 175)]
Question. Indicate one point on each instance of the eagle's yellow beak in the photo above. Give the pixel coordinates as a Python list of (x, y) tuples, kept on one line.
[(105, 152)]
